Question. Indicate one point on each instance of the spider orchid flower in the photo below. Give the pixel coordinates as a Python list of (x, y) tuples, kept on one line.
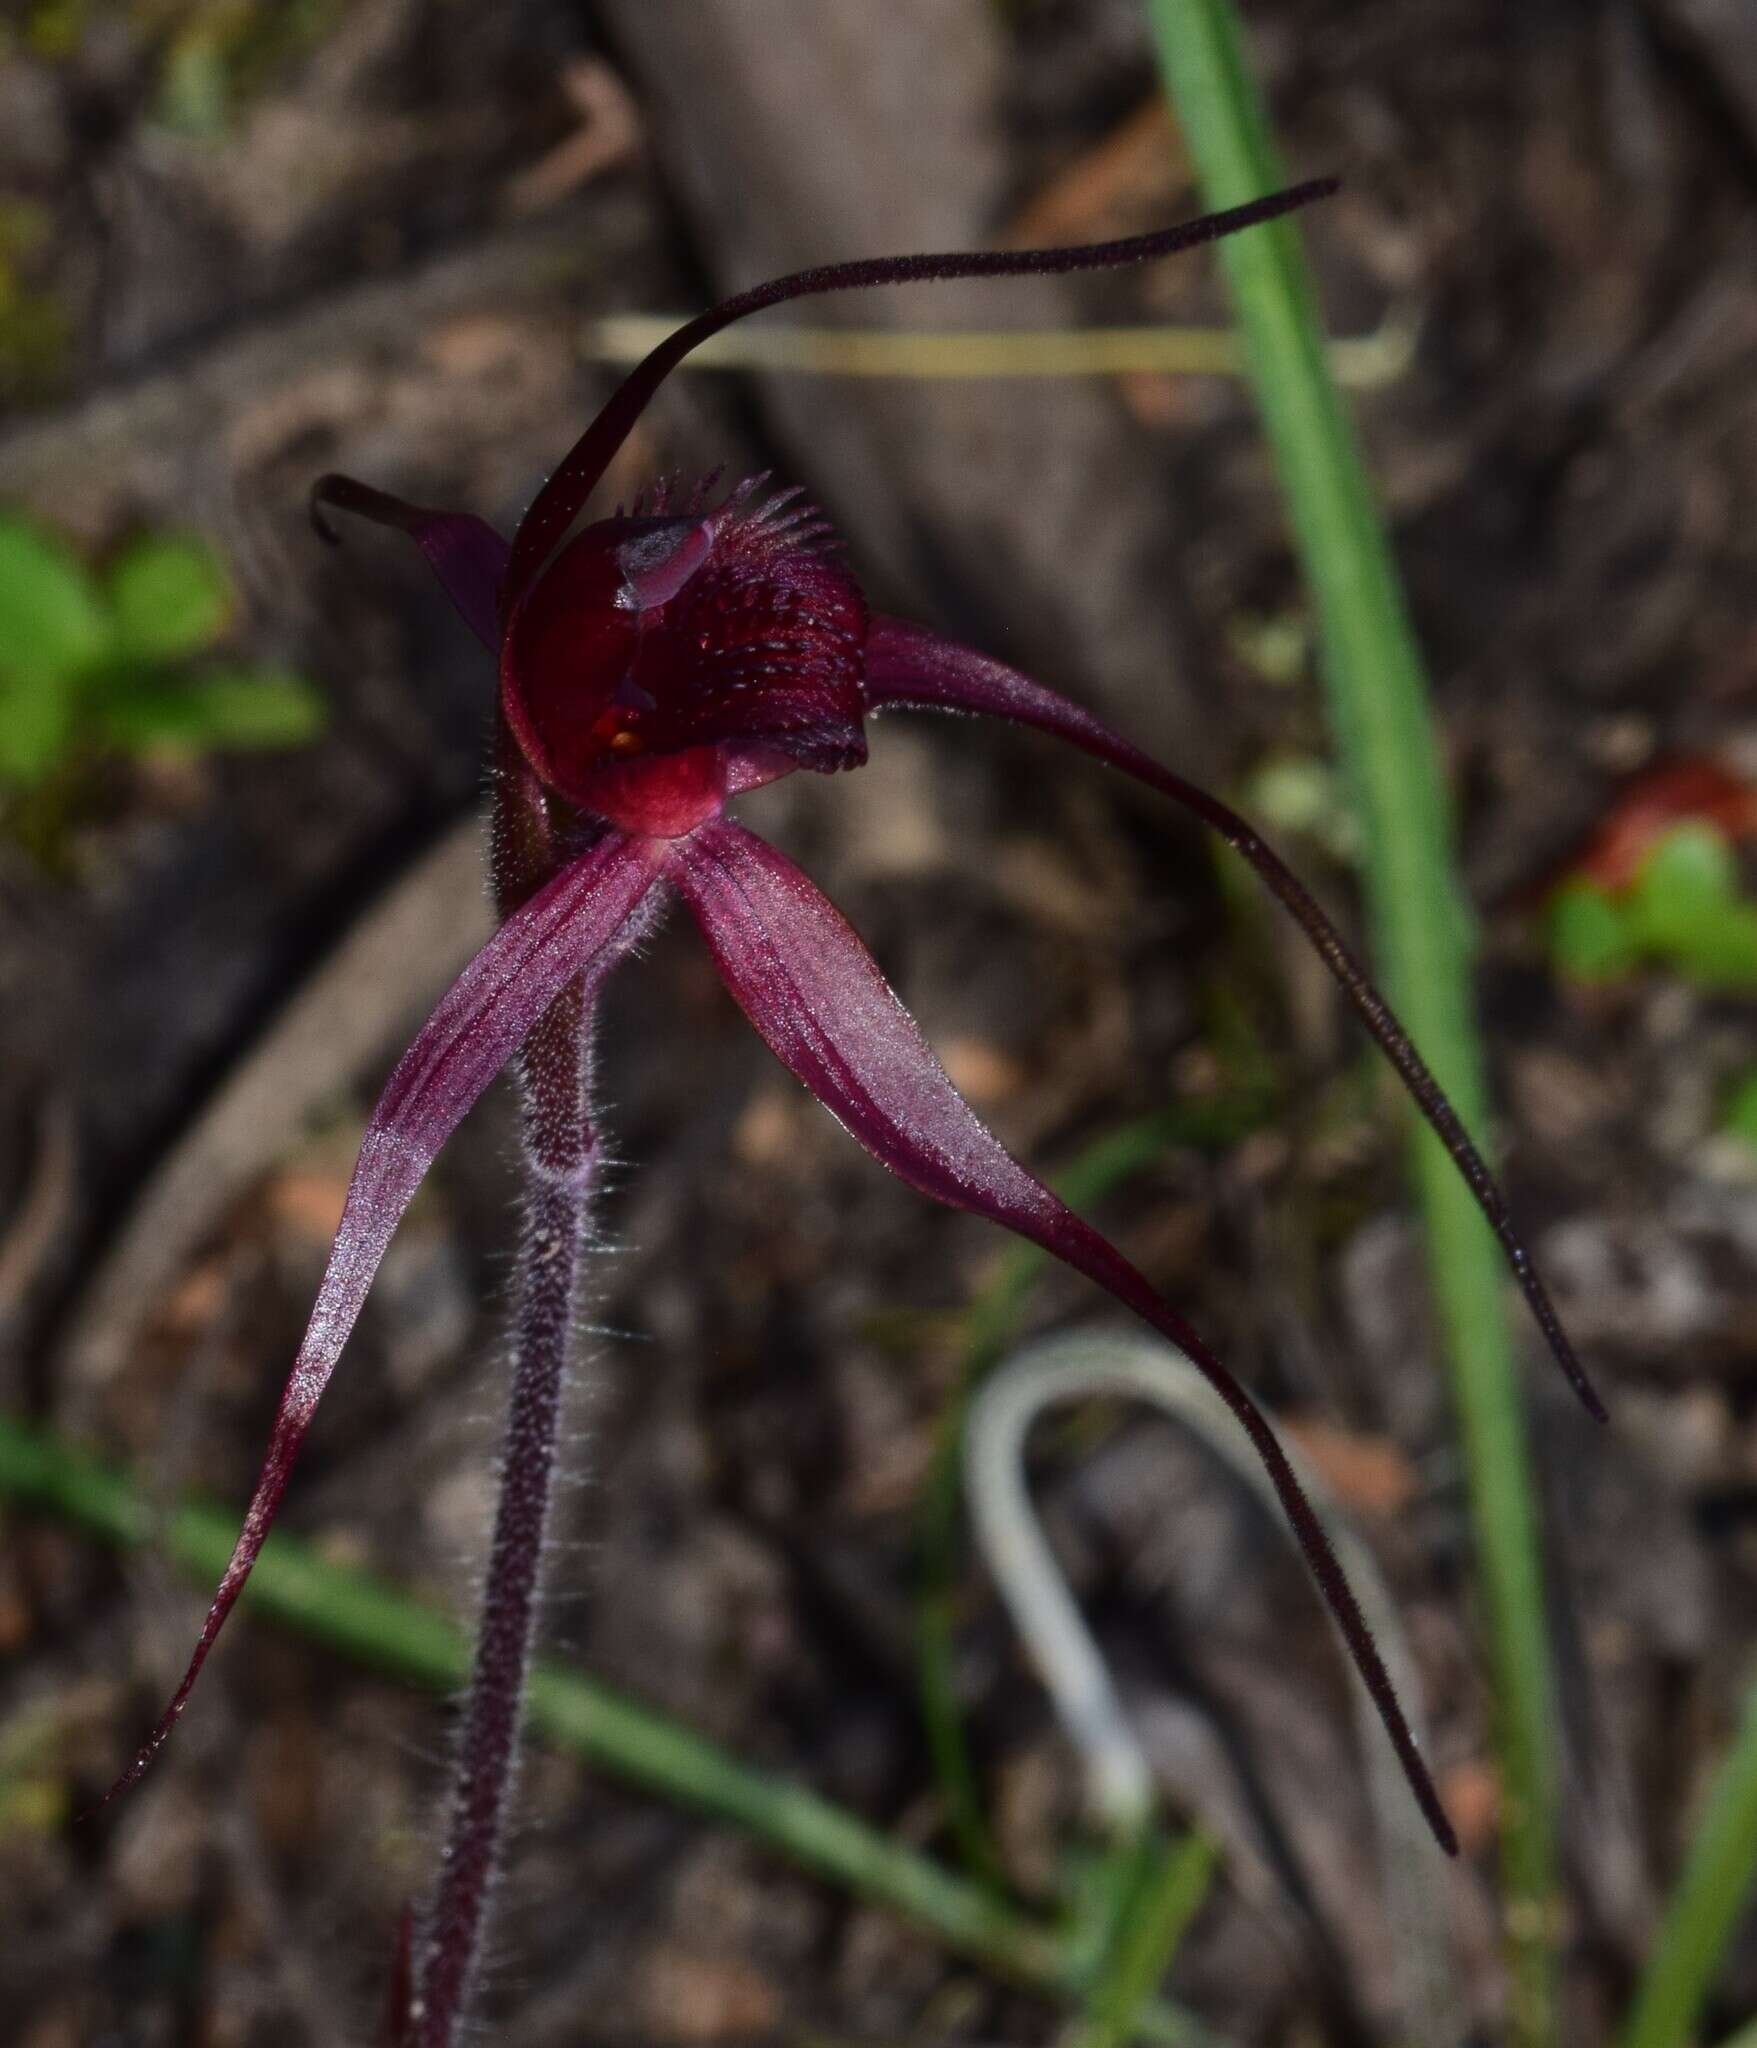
[(654, 666)]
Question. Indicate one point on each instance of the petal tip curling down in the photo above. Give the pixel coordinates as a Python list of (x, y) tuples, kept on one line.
[(816, 995), (568, 930)]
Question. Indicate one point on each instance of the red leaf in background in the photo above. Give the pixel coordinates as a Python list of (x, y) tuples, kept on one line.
[(1646, 810)]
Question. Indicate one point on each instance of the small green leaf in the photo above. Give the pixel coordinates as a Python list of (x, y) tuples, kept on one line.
[(1591, 937), (1720, 951), (195, 94), (1686, 907), (260, 708), (241, 710), (36, 721), (1741, 1110), (52, 620), (170, 596), (1689, 876)]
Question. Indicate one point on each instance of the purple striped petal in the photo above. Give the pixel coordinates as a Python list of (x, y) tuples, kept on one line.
[(464, 552), (813, 991), (910, 668), (569, 929)]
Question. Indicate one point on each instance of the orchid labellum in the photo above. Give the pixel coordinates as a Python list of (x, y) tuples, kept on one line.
[(654, 666)]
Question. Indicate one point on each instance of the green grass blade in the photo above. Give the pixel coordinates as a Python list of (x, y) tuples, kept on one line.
[(361, 1617), (1706, 1906), (1378, 703), (1165, 1886)]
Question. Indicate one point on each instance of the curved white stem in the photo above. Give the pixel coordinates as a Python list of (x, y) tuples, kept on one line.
[(1119, 1778)]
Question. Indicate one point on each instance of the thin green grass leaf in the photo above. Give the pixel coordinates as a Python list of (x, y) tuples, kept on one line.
[(1711, 1896), (1378, 701), (360, 1617), (1165, 1884)]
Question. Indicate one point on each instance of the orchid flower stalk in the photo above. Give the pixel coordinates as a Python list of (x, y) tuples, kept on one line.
[(654, 666)]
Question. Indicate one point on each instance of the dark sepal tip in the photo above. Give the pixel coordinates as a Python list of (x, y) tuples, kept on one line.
[(1572, 1370), (1443, 1830), (144, 1759), (1292, 198), (314, 505)]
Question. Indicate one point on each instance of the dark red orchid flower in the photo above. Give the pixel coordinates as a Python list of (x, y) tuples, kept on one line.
[(654, 666)]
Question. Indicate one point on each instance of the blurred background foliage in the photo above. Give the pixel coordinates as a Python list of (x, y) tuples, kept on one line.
[(92, 668), (241, 243)]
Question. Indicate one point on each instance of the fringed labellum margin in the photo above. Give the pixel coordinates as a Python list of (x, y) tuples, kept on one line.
[(652, 667)]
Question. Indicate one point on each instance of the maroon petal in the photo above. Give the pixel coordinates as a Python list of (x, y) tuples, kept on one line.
[(396, 2030), (575, 477), (464, 552), (910, 668), (814, 992), (568, 929)]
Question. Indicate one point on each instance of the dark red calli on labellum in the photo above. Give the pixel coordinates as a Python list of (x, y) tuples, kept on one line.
[(652, 667), (662, 663)]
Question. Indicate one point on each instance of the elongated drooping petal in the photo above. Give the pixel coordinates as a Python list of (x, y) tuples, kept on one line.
[(576, 476), (567, 930), (464, 552), (808, 984), (910, 668)]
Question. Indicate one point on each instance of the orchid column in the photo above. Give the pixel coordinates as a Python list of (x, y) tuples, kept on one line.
[(654, 666)]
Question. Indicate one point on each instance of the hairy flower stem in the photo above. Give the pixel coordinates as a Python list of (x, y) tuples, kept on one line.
[(559, 1158)]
